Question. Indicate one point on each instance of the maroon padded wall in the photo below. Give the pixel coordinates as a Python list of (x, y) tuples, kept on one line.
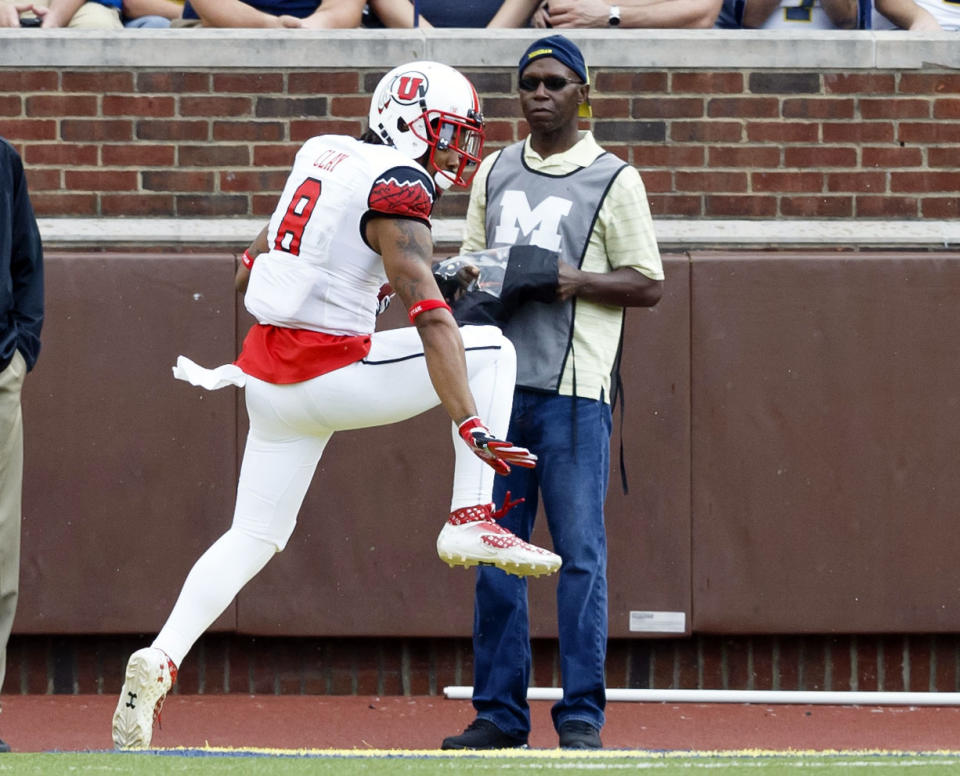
[(826, 425), (128, 473), (649, 529), (790, 438)]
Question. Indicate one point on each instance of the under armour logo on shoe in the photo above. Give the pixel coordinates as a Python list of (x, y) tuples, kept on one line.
[(133, 697)]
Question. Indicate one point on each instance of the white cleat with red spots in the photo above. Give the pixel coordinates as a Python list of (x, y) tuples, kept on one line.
[(150, 675), (471, 537)]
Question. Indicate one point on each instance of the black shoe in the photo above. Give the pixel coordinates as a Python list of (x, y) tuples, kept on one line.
[(575, 734), (4, 747), (483, 734)]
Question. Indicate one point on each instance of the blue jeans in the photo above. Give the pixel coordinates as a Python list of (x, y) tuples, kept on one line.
[(573, 484)]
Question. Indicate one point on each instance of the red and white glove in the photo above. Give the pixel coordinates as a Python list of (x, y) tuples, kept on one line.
[(497, 453)]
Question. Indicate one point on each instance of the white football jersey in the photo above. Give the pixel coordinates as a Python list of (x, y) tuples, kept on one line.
[(319, 273)]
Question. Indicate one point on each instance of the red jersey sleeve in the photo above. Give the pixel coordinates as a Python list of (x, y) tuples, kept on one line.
[(403, 192)]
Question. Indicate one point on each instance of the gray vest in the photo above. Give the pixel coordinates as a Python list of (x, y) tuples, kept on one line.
[(556, 212)]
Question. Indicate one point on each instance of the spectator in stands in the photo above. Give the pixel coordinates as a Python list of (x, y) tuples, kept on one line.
[(151, 14), (21, 313), (310, 14), (922, 15), (75, 14), (441, 13), (676, 14), (789, 15)]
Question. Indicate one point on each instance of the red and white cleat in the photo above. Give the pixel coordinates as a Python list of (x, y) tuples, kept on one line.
[(150, 675), (471, 537)]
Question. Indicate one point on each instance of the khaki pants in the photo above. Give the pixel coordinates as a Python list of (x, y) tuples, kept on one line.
[(89, 16), (11, 488)]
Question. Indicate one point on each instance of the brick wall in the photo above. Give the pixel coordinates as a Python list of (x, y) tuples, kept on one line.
[(221, 663), (716, 144)]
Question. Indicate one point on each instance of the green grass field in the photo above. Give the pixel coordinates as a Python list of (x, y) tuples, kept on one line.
[(214, 763)]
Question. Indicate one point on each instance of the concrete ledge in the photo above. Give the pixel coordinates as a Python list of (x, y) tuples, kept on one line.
[(146, 232), (846, 233), (236, 233), (652, 49), (911, 51)]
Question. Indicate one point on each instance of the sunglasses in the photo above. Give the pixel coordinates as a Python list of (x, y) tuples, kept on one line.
[(553, 83)]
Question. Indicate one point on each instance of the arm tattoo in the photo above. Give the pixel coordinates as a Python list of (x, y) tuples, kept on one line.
[(412, 247)]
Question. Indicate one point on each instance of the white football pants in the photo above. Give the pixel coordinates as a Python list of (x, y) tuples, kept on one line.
[(290, 426)]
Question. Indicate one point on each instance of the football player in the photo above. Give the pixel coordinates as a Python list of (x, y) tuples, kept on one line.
[(354, 215)]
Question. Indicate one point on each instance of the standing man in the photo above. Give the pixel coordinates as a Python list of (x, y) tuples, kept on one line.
[(21, 318), (560, 191), (353, 215)]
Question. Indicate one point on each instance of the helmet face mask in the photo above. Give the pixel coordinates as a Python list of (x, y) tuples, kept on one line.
[(464, 136), (427, 106)]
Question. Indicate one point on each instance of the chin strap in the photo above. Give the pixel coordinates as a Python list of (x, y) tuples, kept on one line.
[(442, 181)]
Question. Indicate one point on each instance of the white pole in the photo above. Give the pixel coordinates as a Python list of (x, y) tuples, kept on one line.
[(848, 698)]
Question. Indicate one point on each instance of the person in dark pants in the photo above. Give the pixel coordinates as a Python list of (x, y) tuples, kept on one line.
[(560, 191), (21, 318)]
